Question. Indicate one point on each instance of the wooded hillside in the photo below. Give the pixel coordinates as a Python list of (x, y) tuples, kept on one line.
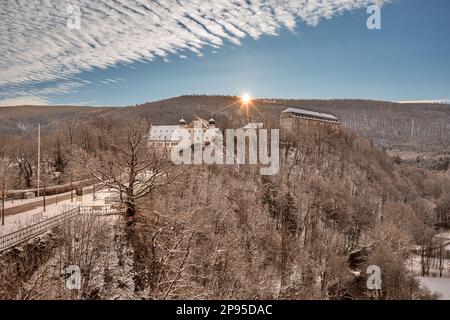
[(403, 127)]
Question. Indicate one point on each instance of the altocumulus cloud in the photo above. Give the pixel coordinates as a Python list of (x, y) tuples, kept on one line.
[(37, 47)]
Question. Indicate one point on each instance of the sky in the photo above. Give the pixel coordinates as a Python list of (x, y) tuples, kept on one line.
[(126, 52)]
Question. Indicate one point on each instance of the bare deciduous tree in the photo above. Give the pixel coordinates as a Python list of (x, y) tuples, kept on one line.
[(132, 168)]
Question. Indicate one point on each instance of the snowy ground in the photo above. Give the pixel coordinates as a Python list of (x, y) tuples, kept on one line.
[(414, 267), (433, 283), (21, 220), (439, 285)]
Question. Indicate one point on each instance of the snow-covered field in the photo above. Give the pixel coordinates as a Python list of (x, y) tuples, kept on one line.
[(24, 219)]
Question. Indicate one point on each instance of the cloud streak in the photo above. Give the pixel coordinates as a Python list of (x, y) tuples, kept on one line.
[(36, 46)]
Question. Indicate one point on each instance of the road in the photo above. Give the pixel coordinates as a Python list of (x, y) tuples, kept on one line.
[(39, 203)]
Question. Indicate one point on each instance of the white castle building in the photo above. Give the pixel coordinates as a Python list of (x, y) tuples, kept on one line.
[(167, 136)]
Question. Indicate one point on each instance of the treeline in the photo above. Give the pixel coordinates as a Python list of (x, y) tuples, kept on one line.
[(438, 162), (419, 127), (65, 148), (22, 119)]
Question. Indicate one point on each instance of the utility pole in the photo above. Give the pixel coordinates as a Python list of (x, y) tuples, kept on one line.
[(39, 159), (71, 188), (93, 189), (45, 193), (3, 202)]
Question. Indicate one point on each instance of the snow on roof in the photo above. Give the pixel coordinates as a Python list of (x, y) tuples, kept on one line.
[(308, 113), (171, 133), (164, 132)]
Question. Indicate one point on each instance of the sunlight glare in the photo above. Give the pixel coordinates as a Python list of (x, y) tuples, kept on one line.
[(246, 98)]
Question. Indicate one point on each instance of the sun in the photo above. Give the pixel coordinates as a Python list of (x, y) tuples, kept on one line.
[(246, 98)]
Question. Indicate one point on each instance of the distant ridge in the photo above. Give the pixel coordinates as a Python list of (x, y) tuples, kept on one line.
[(425, 101)]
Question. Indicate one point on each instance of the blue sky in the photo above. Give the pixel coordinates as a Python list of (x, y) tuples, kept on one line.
[(408, 59)]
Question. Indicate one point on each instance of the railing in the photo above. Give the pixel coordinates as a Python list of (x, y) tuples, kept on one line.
[(112, 199), (99, 210), (15, 238), (20, 236)]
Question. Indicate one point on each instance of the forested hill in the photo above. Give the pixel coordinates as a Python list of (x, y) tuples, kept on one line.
[(410, 127), (18, 119), (405, 127)]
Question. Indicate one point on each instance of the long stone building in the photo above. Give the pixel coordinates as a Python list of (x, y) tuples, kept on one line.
[(295, 121)]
